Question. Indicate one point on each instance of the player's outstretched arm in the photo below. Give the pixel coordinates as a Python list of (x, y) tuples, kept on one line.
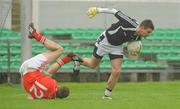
[(93, 11)]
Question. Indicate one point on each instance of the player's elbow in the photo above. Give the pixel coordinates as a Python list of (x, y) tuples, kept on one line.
[(114, 10)]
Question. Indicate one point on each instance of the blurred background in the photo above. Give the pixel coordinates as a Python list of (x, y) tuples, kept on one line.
[(66, 22)]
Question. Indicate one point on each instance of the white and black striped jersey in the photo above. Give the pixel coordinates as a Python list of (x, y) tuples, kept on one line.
[(122, 31)]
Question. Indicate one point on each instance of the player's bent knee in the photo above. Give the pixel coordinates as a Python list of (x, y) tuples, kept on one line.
[(60, 50), (116, 72)]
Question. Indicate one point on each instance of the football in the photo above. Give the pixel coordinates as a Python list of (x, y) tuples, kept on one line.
[(134, 48)]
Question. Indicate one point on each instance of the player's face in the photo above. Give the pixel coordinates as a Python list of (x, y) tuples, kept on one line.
[(144, 32)]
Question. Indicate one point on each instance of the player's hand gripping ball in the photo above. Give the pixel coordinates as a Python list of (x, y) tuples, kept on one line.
[(92, 11), (134, 48)]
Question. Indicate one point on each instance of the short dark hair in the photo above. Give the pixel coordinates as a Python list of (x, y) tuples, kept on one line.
[(62, 92), (147, 23)]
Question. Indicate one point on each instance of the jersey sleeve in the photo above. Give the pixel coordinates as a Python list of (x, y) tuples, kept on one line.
[(124, 19)]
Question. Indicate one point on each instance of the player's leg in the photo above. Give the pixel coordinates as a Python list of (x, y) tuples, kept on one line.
[(51, 45), (55, 50), (54, 67), (88, 62), (116, 69), (91, 62), (116, 57), (98, 53)]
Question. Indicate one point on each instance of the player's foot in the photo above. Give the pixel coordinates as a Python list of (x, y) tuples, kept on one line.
[(31, 30), (34, 34), (106, 97), (77, 61)]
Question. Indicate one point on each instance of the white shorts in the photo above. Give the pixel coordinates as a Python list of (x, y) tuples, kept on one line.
[(37, 62), (104, 47)]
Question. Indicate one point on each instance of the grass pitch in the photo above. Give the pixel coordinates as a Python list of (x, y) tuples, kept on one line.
[(147, 95)]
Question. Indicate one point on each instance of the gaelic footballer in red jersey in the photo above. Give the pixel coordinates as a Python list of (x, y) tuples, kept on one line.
[(38, 84)]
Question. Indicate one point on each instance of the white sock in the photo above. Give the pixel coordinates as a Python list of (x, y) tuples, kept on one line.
[(107, 92)]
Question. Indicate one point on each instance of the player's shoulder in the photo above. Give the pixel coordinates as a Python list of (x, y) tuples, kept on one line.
[(49, 82), (52, 87)]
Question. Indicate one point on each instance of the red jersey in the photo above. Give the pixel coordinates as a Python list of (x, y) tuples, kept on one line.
[(39, 86)]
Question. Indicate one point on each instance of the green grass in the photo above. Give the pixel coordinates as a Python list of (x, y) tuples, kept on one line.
[(147, 95)]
